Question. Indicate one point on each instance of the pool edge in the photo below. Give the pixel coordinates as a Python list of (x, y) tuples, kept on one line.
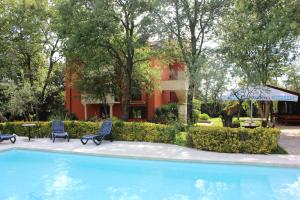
[(203, 161)]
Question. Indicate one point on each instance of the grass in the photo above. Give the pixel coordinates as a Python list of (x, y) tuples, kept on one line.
[(217, 121), (279, 150)]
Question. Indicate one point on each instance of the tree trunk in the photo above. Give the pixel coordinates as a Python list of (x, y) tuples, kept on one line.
[(125, 98), (190, 97)]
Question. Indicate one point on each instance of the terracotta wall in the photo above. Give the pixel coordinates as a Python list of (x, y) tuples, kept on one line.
[(73, 103), (152, 101)]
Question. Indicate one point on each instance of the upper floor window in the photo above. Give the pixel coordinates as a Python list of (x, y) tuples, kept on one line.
[(173, 73)]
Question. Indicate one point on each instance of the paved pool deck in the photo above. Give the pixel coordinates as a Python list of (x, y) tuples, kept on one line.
[(290, 139), (151, 151)]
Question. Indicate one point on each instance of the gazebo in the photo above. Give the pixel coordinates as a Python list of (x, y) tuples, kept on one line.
[(269, 93), (287, 111)]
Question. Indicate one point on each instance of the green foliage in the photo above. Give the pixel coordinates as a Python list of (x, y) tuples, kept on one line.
[(166, 114), (180, 139), (196, 116), (125, 131), (110, 38), (190, 25), (21, 100), (234, 140), (236, 123), (197, 104), (216, 121), (204, 116), (29, 59), (259, 37)]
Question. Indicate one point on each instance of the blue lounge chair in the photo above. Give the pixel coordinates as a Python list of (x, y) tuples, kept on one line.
[(104, 130), (58, 131), (11, 137)]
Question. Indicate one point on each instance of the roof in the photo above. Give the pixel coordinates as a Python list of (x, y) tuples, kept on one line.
[(284, 90)]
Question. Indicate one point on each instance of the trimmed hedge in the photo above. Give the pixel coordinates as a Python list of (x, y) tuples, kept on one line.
[(127, 131), (220, 139), (234, 140)]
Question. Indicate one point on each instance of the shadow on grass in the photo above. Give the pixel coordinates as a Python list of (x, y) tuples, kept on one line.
[(279, 150)]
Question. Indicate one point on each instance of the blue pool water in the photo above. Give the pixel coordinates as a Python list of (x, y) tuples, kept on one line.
[(42, 175)]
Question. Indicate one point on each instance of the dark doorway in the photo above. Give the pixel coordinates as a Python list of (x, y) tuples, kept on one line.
[(104, 111)]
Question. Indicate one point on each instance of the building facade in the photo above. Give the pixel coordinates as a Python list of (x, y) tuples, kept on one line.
[(173, 87)]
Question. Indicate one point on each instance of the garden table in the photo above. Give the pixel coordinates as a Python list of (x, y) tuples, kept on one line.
[(29, 129), (250, 125)]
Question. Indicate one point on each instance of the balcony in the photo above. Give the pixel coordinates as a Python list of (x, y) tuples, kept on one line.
[(86, 99), (174, 85)]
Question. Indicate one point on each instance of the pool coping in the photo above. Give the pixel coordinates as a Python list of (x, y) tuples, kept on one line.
[(271, 160)]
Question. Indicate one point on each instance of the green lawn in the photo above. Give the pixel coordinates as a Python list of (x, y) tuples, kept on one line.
[(217, 121)]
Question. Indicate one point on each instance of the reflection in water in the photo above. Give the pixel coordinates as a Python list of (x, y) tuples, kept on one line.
[(292, 189), (126, 193), (211, 190), (61, 184)]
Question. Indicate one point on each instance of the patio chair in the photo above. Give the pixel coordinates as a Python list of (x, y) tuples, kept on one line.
[(58, 131), (104, 130), (11, 137)]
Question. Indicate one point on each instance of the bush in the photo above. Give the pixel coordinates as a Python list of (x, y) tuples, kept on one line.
[(234, 140), (203, 116), (128, 131), (195, 116), (197, 104), (166, 114), (236, 123), (144, 131)]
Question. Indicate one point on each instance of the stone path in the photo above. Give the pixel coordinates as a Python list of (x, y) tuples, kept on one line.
[(151, 151), (290, 139)]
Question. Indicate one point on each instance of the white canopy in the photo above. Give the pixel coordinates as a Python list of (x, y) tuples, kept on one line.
[(259, 93)]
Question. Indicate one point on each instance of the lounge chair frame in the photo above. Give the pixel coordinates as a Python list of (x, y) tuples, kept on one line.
[(58, 131), (104, 131), (11, 137)]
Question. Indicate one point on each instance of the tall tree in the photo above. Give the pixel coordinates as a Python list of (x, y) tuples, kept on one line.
[(109, 38), (190, 24), (28, 53), (259, 36)]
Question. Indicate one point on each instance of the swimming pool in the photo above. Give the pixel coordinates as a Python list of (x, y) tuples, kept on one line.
[(44, 175)]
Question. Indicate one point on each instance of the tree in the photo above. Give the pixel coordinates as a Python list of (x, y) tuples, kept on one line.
[(28, 53), (292, 78), (258, 37), (109, 39), (190, 24)]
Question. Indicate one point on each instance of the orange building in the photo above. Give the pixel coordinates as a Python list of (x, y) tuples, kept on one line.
[(172, 89)]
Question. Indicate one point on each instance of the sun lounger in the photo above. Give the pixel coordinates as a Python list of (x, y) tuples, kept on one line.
[(11, 137), (104, 130), (58, 131)]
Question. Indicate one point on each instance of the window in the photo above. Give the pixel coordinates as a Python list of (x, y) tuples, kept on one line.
[(137, 112)]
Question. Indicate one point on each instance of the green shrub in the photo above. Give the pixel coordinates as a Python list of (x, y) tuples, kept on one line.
[(197, 104), (144, 131), (166, 114), (203, 116), (195, 115), (128, 131), (236, 123), (181, 139), (223, 139)]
